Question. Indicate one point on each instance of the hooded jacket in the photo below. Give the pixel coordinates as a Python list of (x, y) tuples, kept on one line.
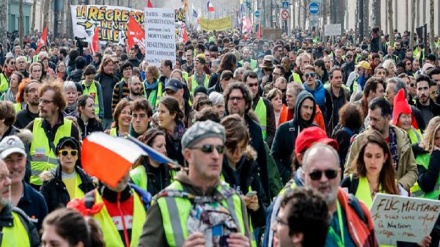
[(285, 136)]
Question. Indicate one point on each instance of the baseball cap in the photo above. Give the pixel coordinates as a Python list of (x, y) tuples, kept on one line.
[(70, 141), (363, 64), (10, 145), (174, 84), (310, 136)]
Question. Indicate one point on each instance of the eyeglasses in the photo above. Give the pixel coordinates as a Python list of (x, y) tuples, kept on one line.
[(253, 84), (209, 148), (412, 85), (276, 74), (65, 152), (12, 62), (330, 174), (203, 103), (349, 56), (45, 101), (236, 99), (281, 222), (309, 75), (434, 92)]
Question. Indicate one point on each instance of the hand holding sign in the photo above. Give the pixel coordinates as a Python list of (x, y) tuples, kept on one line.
[(398, 218)]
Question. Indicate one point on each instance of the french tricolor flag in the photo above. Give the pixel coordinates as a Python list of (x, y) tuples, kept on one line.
[(210, 7)]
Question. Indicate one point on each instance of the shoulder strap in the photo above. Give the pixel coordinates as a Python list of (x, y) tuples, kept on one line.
[(349, 131)]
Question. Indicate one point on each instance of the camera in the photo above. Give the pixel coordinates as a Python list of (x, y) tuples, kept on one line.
[(80, 43)]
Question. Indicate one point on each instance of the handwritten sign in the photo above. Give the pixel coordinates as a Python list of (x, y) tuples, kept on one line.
[(160, 31), (398, 218)]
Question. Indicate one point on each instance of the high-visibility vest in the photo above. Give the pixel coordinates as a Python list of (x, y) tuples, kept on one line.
[(261, 112), (363, 191), (4, 84), (175, 212), (296, 78), (43, 155), (415, 136), (416, 191), (15, 236), (253, 63), (140, 177), (18, 107), (92, 90), (195, 84), (109, 231), (113, 132), (155, 95)]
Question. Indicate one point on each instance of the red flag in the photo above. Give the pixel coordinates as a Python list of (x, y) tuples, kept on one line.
[(185, 33), (94, 45), (43, 40), (135, 34), (150, 4)]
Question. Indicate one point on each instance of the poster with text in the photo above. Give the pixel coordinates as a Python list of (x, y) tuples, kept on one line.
[(398, 218), (160, 35), (112, 22)]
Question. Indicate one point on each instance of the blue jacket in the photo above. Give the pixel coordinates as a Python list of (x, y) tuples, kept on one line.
[(33, 204), (318, 95)]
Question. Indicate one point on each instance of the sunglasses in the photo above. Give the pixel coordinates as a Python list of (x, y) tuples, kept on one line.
[(330, 174), (349, 56), (209, 148), (412, 85), (309, 75), (65, 152)]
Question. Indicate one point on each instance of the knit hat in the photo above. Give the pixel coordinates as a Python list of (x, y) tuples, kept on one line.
[(310, 136), (400, 106), (202, 130)]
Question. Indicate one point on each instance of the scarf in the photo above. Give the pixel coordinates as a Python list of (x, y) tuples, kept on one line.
[(71, 110), (393, 148), (152, 86), (9, 96)]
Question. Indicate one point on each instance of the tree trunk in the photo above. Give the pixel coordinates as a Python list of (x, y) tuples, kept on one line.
[(431, 27), (46, 12), (4, 23), (366, 17), (375, 13), (390, 21), (406, 14), (293, 16), (305, 7), (34, 12), (20, 22), (413, 23), (417, 14), (425, 20), (340, 12)]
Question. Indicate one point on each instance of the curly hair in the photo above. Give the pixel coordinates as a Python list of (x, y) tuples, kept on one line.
[(244, 90), (236, 131), (59, 99), (351, 116)]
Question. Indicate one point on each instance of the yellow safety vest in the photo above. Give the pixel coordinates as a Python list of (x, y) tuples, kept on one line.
[(185, 75), (140, 178), (195, 84), (4, 84), (253, 63), (261, 112), (15, 236), (18, 107), (296, 78), (43, 155), (416, 191), (415, 136), (155, 95), (113, 132), (363, 192), (175, 212), (92, 90), (109, 231)]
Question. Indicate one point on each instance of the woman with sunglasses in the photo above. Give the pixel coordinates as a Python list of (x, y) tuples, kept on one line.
[(68, 181), (149, 174), (240, 169), (9, 67), (169, 117)]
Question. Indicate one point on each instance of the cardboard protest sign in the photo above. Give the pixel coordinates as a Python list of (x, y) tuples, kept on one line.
[(398, 218)]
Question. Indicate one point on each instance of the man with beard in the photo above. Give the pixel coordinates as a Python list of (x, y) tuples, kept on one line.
[(349, 218), (135, 88), (286, 133), (379, 111), (21, 65), (427, 106), (48, 129), (119, 210), (30, 111), (17, 229)]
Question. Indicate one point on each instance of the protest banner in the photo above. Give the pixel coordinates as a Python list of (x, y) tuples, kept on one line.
[(160, 33), (220, 24), (111, 20), (398, 218)]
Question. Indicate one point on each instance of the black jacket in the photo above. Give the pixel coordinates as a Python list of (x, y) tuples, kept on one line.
[(24, 117), (54, 190), (285, 136), (435, 108), (75, 75), (92, 126), (157, 178), (244, 177)]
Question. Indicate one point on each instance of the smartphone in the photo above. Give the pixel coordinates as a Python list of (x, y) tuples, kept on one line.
[(251, 193)]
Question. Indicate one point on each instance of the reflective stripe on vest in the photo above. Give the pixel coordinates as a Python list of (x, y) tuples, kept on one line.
[(15, 236), (92, 90), (261, 112), (43, 157), (416, 191), (195, 83), (112, 238), (175, 212)]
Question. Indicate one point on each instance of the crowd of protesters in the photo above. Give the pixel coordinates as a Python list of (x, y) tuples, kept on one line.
[(270, 138)]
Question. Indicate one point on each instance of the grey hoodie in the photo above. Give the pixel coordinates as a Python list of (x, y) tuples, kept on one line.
[(301, 123)]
